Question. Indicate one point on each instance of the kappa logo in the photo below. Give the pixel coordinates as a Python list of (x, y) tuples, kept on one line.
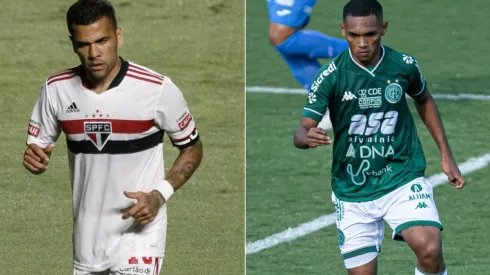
[(98, 132), (422, 205), (348, 95)]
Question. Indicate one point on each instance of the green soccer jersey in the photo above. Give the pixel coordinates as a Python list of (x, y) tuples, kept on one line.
[(376, 148)]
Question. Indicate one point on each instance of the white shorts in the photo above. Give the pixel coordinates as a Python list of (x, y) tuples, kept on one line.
[(130, 266), (136, 255), (360, 225)]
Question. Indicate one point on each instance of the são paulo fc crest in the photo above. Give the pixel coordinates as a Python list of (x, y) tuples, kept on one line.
[(393, 93), (98, 132)]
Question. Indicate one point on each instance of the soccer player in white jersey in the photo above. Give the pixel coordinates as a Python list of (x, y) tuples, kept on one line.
[(378, 163), (114, 114)]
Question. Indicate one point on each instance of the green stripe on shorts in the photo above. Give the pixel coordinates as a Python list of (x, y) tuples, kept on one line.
[(406, 225), (358, 252)]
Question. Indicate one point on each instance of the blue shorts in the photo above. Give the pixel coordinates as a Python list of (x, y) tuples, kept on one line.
[(292, 13)]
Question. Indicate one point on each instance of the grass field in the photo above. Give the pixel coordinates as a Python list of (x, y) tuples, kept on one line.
[(176, 38), (287, 187)]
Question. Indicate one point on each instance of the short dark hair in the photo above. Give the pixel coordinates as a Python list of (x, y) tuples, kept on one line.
[(86, 12), (363, 8)]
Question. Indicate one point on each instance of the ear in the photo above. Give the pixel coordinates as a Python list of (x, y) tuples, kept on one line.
[(384, 28), (119, 36), (342, 29)]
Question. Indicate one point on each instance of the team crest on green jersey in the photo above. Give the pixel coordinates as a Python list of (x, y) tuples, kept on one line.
[(393, 93)]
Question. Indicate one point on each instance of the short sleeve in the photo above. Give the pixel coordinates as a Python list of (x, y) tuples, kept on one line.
[(174, 117), (318, 97), (418, 84), (44, 128)]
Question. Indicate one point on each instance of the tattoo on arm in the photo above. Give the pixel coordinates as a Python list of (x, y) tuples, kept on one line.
[(155, 200), (184, 166)]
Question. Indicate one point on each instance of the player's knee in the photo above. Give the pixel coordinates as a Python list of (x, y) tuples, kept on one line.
[(279, 33), (430, 253)]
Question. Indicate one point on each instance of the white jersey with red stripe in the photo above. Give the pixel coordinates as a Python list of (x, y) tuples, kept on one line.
[(114, 141)]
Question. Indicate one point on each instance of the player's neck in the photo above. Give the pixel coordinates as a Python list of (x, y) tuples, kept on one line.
[(100, 86)]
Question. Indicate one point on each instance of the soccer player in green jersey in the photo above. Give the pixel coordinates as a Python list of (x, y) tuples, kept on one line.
[(378, 162)]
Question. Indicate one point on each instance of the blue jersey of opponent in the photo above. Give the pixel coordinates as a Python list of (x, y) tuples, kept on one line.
[(292, 13)]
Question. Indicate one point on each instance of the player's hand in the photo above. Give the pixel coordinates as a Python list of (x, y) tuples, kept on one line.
[(146, 207), (318, 137), (451, 169), (36, 159)]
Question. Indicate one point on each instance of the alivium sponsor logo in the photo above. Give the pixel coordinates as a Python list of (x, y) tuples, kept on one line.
[(417, 188), (331, 68)]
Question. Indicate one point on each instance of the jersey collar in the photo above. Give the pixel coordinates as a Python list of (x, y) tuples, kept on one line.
[(371, 72), (115, 82), (120, 75)]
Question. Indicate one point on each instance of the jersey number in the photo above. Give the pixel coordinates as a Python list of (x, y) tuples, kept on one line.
[(361, 125)]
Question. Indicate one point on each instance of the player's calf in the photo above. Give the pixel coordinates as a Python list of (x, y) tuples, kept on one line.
[(426, 243)]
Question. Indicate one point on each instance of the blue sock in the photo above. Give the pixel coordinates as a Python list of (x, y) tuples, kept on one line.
[(301, 50)]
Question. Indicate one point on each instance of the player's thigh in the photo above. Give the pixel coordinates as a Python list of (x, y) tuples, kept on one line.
[(292, 13), (412, 205), (359, 235), (371, 268), (138, 266)]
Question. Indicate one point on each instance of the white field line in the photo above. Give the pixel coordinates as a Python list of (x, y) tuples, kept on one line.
[(327, 125), (319, 223), (277, 90)]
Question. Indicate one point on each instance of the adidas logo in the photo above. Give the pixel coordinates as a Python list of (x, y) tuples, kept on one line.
[(72, 108), (348, 96)]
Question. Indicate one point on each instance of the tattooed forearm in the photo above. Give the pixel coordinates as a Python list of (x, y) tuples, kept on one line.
[(184, 166), (156, 200)]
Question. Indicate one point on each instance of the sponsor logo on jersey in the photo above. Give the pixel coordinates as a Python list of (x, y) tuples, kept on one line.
[(184, 120), (348, 95), (311, 97), (287, 3), (416, 188), (72, 108), (33, 130), (339, 208), (393, 93), (98, 132), (408, 59), (341, 237), (370, 98), (330, 69), (422, 205), (283, 12)]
